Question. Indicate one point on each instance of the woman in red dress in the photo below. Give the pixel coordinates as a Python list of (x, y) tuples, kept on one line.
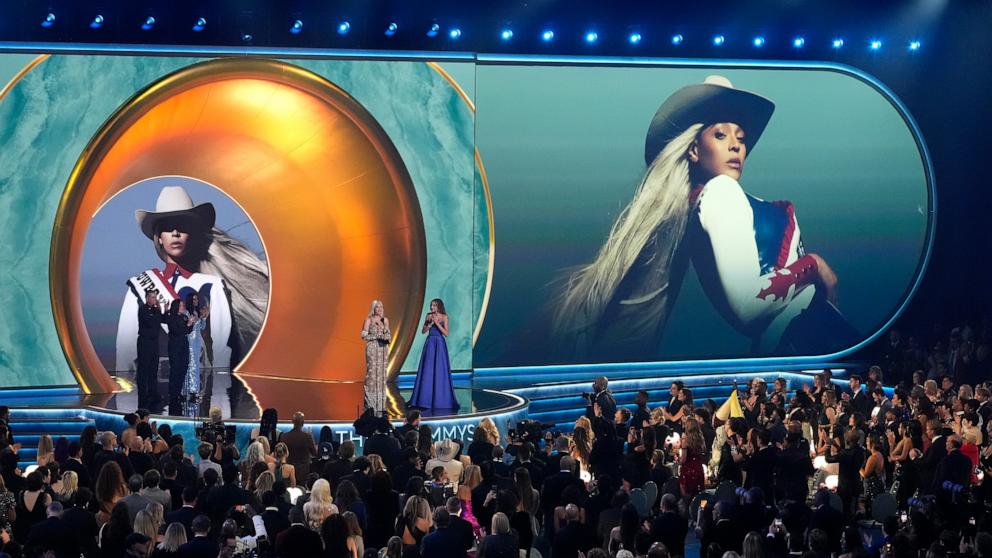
[(693, 452)]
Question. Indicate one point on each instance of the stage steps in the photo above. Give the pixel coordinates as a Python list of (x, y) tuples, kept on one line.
[(560, 403), (519, 377), (30, 424)]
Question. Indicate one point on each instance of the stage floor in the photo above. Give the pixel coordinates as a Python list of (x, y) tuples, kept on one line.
[(319, 400)]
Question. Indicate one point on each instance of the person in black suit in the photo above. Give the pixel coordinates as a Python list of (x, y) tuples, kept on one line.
[(186, 513), (82, 524), (179, 322), (601, 396), (297, 540), (793, 469), (860, 400), (222, 498), (556, 484), (716, 525), (569, 539), (202, 545), (51, 534), (525, 454), (955, 468), (559, 448), (75, 463), (444, 541), (412, 424), (983, 396), (459, 525), (274, 519), (341, 465), (502, 543), (933, 456), (669, 527), (850, 460), (383, 444), (106, 453), (149, 327), (826, 518), (760, 467), (642, 413)]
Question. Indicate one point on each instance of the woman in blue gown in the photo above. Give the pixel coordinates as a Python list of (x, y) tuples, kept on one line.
[(433, 389)]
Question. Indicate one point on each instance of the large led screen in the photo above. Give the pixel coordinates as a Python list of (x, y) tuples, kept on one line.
[(566, 213)]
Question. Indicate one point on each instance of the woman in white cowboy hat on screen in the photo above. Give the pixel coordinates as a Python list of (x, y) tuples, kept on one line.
[(199, 259), (746, 251)]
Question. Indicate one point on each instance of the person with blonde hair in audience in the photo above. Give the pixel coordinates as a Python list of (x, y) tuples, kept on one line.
[(68, 488), (175, 537), (46, 450), (320, 506)]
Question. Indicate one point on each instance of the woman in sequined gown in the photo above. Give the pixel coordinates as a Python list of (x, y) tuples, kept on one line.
[(376, 334), (192, 385)]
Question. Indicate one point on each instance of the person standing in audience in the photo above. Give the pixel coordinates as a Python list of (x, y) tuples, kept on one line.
[(501, 543), (175, 538), (201, 545), (301, 446)]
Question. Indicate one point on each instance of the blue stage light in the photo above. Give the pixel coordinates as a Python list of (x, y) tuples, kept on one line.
[(798, 42), (634, 38), (200, 25), (506, 34), (914, 45), (758, 42), (677, 39), (455, 33), (391, 29), (344, 27), (875, 44), (837, 43), (97, 22), (247, 37), (433, 30), (592, 37), (296, 27), (548, 36), (148, 24), (48, 21), (718, 40)]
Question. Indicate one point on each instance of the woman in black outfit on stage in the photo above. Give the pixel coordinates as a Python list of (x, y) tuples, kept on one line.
[(179, 322)]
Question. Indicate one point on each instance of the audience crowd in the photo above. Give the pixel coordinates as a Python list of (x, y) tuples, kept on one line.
[(830, 467)]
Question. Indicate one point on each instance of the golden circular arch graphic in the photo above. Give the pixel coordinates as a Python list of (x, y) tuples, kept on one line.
[(323, 184)]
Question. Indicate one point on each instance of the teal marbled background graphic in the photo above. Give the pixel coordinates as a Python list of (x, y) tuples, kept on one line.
[(49, 116)]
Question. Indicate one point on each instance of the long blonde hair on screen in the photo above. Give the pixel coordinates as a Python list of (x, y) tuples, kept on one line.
[(662, 198)]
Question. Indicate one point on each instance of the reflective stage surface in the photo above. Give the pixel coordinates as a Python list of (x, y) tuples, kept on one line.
[(319, 400)]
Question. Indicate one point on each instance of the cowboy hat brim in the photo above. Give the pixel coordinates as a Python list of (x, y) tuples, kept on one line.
[(148, 219), (707, 103)]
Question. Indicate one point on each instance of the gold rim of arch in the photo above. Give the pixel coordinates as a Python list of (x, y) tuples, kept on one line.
[(63, 294)]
